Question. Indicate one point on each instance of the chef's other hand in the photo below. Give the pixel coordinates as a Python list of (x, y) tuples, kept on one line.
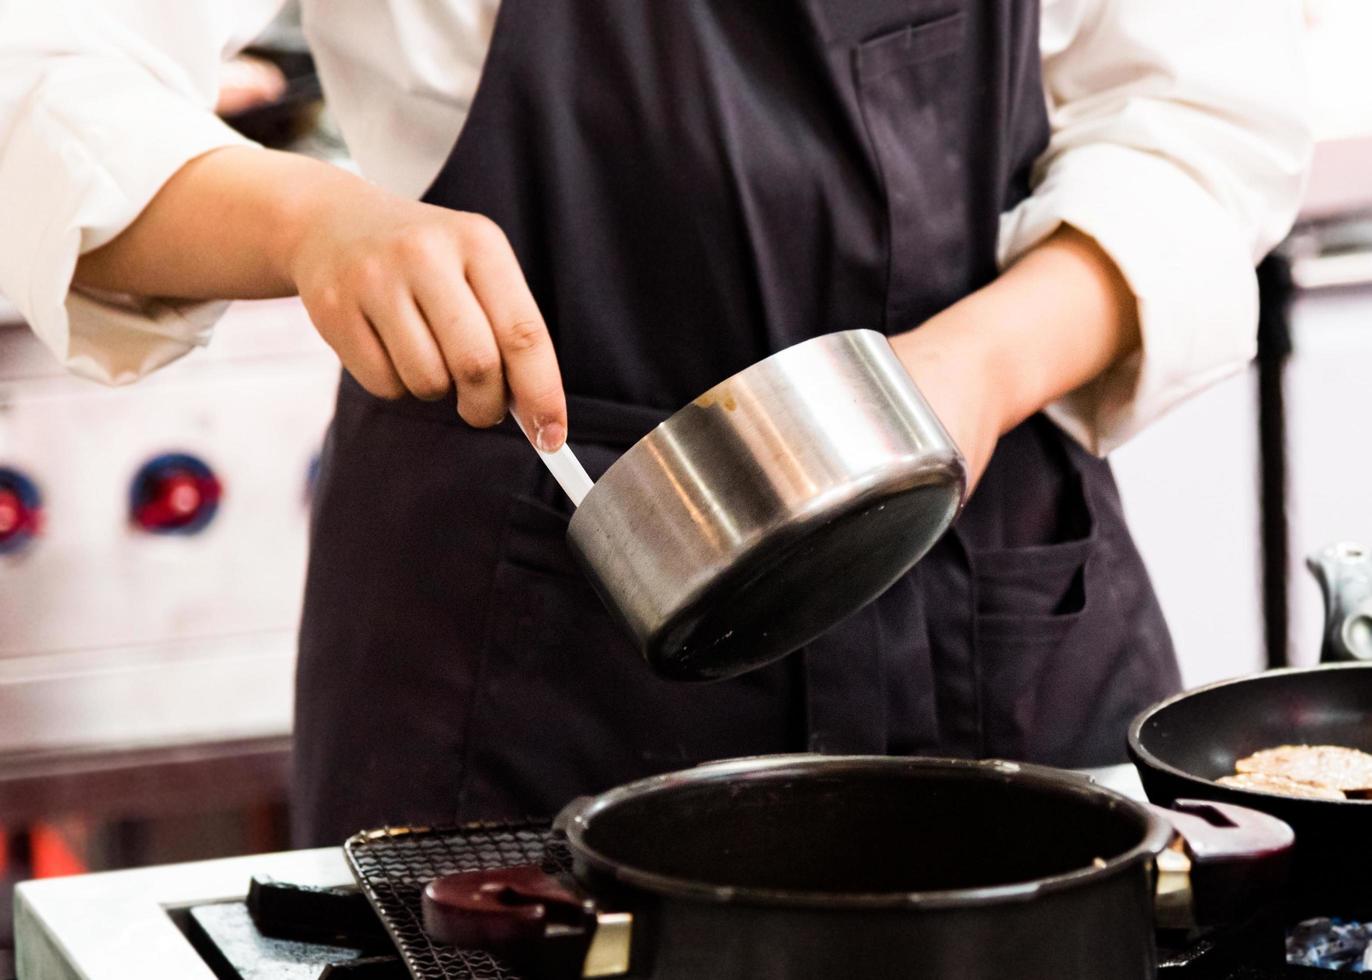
[(246, 82), (1052, 322), (412, 297), (415, 297)]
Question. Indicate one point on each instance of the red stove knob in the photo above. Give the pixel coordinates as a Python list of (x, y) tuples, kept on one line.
[(174, 493), (11, 512), (21, 513)]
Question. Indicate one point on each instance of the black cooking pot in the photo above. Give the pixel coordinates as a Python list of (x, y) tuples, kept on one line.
[(1182, 745), (801, 867)]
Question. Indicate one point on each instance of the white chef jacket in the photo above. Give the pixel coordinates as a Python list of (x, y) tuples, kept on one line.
[(1179, 142)]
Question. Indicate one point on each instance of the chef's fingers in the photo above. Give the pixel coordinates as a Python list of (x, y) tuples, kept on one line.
[(412, 348), (464, 336), (526, 350), (347, 331)]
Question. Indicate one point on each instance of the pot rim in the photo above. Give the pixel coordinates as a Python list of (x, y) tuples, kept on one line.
[(1144, 758), (576, 818)]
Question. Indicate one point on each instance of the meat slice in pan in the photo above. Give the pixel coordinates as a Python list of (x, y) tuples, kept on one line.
[(1267, 783), (1324, 765)]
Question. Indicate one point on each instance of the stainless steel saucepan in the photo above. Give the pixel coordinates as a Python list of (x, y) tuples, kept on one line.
[(772, 507)]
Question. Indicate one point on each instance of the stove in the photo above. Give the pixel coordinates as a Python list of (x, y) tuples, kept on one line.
[(301, 916), (153, 538)]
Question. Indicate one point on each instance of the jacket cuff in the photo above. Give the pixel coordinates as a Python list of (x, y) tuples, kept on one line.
[(91, 181), (1185, 262)]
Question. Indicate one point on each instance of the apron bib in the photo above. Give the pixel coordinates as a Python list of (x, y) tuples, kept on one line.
[(691, 185)]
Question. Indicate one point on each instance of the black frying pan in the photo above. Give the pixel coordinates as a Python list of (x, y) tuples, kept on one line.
[(1182, 745)]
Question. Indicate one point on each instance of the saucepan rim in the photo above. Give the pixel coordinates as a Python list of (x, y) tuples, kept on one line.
[(767, 363), (576, 819)]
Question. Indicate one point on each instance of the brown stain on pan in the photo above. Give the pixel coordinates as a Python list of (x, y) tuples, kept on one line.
[(713, 397)]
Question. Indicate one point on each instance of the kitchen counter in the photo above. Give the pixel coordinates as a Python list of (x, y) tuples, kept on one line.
[(122, 924), (119, 924)]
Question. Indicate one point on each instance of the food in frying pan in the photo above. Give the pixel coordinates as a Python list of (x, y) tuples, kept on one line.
[(1330, 772), (1327, 765), (1268, 783)]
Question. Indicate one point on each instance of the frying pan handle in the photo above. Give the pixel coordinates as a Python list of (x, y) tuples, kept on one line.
[(548, 928), (1344, 571), (1233, 861)]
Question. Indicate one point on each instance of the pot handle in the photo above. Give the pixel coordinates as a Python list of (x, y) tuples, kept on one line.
[(548, 928), (1232, 861)]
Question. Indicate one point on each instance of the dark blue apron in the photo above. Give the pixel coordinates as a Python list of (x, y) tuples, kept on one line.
[(691, 185)]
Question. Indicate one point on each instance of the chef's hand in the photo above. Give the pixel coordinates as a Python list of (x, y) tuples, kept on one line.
[(1049, 324), (413, 298), (246, 82)]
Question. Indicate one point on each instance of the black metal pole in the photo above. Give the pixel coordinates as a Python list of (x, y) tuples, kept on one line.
[(1275, 290)]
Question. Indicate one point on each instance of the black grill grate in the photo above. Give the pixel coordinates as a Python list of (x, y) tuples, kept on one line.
[(392, 867)]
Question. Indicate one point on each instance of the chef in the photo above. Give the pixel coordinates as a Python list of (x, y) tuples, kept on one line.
[(589, 211)]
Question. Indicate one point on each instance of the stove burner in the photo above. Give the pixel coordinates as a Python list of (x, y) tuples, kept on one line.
[(235, 949)]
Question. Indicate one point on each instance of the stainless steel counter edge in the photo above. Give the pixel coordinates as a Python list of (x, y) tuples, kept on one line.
[(114, 925), (174, 692)]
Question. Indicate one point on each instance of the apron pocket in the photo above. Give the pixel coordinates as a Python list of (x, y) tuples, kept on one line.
[(909, 46), (1045, 582), (536, 540), (908, 84), (846, 22), (1038, 609), (526, 748), (566, 705), (1035, 619)]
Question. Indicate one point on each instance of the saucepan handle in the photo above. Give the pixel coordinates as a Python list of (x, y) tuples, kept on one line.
[(562, 463), (1231, 861), (541, 924)]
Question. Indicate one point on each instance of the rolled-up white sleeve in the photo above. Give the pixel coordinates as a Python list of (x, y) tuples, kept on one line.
[(1179, 143), (101, 102)]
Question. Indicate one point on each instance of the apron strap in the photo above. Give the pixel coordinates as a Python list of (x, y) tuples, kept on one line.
[(597, 420), (610, 423)]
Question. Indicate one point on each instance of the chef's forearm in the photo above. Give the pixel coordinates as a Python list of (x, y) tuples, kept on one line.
[(221, 228), (1049, 324), (1052, 322)]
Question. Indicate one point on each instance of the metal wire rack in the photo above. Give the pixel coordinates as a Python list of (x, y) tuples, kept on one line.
[(393, 865)]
